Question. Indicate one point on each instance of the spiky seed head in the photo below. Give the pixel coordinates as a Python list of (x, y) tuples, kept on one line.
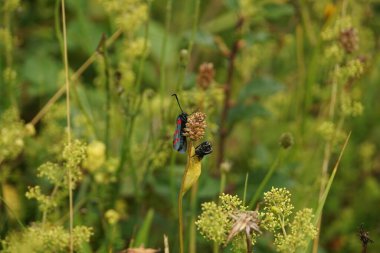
[(349, 39), (206, 75), (247, 221)]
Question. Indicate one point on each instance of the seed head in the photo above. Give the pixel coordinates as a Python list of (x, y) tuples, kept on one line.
[(349, 39), (195, 126), (286, 140), (206, 75), (247, 221)]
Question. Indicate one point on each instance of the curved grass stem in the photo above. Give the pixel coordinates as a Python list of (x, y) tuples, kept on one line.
[(180, 198), (67, 79)]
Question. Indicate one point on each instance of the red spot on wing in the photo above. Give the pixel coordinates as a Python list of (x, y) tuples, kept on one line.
[(179, 121), (176, 140)]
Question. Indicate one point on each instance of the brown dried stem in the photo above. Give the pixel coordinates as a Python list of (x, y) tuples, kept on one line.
[(227, 96)]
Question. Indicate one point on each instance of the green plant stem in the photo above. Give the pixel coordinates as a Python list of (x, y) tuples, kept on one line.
[(173, 189), (264, 182), (66, 62), (162, 57), (245, 188), (326, 156), (108, 94), (193, 208), (282, 222), (194, 27), (180, 198), (222, 182), (215, 247)]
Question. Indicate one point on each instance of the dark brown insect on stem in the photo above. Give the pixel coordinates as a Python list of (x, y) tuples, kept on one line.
[(227, 95), (364, 238)]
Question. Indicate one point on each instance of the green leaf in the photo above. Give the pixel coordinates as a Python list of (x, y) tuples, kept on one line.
[(41, 71), (156, 37), (257, 37), (261, 86), (273, 11), (244, 112), (143, 234)]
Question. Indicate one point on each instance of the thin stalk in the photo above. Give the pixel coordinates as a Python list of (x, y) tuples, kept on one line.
[(245, 188), (162, 56), (222, 182), (215, 248), (143, 58), (180, 198), (249, 243), (264, 182), (227, 97), (195, 26), (108, 93), (66, 62), (193, 207), (172, 182), (326, 158)]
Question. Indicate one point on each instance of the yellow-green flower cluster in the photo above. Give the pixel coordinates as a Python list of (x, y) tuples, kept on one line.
[(333, 53), (213, 223), (12, 133), (112, 216), (47, 238), (52, 172), (352, 69), (349, 107), (289, 236), (301, 229), (333, 31), (45, 203), (74, 154), (278, 202), (96, 156), (230, 203), (57, 174), (136, 48), (128, 14), (106, 173), (327, 130)]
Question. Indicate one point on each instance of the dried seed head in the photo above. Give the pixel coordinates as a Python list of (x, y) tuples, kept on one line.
[(349, 39), (206, 75), (247, 221), (195, 126)]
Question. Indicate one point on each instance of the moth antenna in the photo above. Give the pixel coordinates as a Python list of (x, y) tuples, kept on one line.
[(177, 101)]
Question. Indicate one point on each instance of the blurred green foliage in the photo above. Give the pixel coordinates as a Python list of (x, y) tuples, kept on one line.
[(309, 68)]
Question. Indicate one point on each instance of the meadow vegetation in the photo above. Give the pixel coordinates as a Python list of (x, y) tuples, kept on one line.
[(282, 132)]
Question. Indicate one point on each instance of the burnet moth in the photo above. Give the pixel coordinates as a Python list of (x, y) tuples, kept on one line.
[(179, 140)]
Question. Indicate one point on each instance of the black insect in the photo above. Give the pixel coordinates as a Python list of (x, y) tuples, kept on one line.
[(179, 140), (203, 149), (364, 238)]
